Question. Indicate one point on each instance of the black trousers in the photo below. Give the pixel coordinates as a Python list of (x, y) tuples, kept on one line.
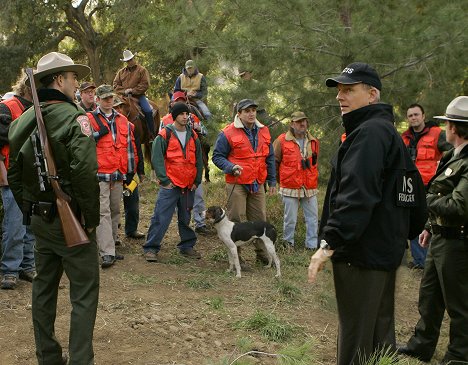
[(366, 302), (444, 286)]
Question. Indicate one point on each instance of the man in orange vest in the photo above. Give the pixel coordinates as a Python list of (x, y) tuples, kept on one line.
[(194, 84), (177, 161), (18, 240), (244, 152), (117, 159), (425, 142), (87, 95), (296, 153)]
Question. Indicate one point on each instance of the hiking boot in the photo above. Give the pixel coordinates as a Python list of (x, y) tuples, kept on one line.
[(190, 253), (202, 230), (107, 261), (150, 256), (9, 282), (136, 235), (27, 275), (405, 350)]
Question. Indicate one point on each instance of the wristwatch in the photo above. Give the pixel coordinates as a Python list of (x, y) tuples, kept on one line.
[(325, 247)]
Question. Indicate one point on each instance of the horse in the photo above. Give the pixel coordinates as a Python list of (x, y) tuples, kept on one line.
[(131, 109)]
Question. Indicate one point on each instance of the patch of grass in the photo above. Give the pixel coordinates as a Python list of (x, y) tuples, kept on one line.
[(218, 256), (269, 326), (138, 279), (176, 259), (199, 283), (386, 357), (288, 291), (216, 303), (301, 354)]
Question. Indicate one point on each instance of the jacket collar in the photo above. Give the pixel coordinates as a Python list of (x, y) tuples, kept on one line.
[(45, 95), (238, 123), (354, 119), (290, 137)]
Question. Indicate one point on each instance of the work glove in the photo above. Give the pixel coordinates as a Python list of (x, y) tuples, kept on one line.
[(317, 262)]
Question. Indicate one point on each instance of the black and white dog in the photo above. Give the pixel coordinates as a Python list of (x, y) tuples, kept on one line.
[(238, 234)]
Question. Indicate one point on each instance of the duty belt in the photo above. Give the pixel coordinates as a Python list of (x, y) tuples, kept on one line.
[(459, 232)]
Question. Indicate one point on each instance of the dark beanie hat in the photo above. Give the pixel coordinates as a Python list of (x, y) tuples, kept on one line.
[(179, 108)]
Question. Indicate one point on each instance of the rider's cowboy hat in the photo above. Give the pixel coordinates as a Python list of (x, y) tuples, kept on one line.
[(457, 110), (55, 62), (127, 55)]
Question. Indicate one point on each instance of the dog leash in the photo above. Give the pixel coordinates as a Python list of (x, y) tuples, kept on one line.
[(232, 190)]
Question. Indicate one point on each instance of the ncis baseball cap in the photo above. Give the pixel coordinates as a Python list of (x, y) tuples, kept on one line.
[(246, 103), (355, 73)]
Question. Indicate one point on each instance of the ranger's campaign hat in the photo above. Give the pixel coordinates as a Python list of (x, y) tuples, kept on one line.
[(246, 103), (87, 85), (189, 64), (104, 91), (457, 110), (127, 55), (356, 73), (298, 116), (55, 62)]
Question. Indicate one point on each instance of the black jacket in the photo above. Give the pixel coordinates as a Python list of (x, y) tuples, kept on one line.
[(377, 198)]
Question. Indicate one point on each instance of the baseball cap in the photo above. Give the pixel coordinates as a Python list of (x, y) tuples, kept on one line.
[(355, 73), (245, 103), (104, 91), (298, 116), (179, 95), (87, 85), (189, 63)]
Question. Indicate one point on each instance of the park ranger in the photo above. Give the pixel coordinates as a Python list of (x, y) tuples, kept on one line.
[(70, 137), (444, 286)]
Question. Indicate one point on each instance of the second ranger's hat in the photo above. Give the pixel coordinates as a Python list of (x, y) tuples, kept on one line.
[(457, 110)]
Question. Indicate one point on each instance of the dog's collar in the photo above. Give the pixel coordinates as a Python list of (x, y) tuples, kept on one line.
[(220, 218)]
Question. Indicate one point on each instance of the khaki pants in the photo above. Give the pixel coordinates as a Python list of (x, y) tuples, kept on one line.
[(106, 232), (245, 206)]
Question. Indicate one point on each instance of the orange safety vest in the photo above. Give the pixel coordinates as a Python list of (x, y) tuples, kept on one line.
[(242, 154), (16, 109), (181, 170), (427, 155), (113, 155), (291, 171)]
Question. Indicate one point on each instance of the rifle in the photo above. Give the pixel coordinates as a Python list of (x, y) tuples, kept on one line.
[(72, 230), (3, 173)]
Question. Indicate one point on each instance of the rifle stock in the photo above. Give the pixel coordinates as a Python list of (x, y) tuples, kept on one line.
[(73, 232), (3, 174)]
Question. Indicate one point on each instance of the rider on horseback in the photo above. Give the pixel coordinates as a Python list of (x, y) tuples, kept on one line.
[(194, 84), (134, 80)]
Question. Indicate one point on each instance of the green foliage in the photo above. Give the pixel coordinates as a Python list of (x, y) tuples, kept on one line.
[(269, 326), (302, 354)]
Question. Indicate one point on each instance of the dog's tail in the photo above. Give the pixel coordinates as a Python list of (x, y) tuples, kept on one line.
[(270, 231)]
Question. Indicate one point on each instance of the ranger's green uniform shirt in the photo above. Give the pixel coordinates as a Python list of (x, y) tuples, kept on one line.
[(70, 136)]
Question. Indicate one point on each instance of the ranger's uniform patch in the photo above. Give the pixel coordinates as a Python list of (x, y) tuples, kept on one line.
[(85, 125)]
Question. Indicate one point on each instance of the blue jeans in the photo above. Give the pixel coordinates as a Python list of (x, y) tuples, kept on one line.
[(144, 104), (18, 240), (204, 109), (310, 209), (199, 208), (167, 201), (419, 253), (132, 211)]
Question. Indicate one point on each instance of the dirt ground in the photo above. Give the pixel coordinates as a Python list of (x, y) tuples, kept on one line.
[(188, 312)]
